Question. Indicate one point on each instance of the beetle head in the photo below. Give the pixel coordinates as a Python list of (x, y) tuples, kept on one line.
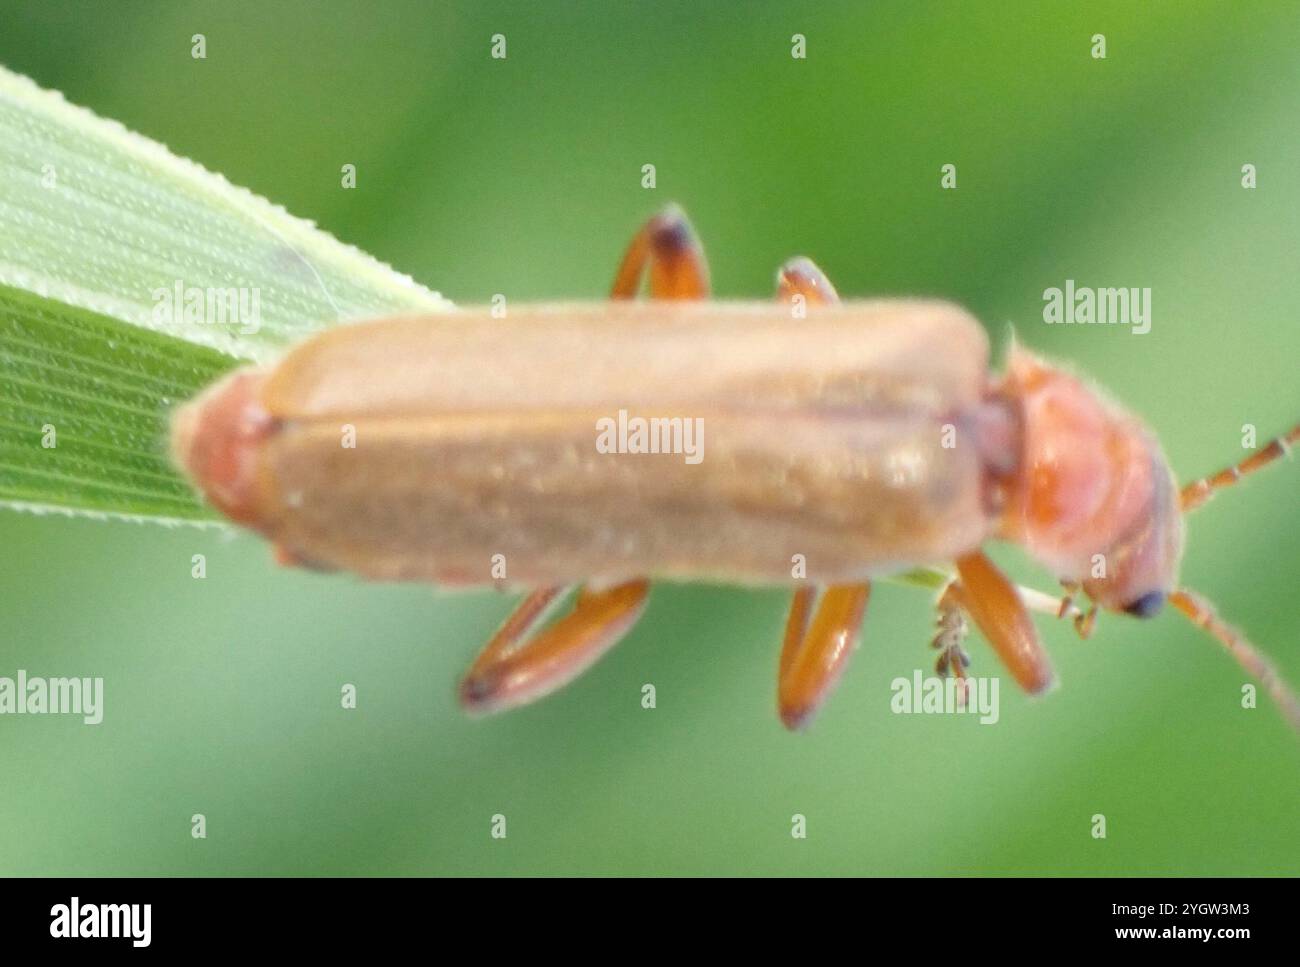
[(1094, 499)]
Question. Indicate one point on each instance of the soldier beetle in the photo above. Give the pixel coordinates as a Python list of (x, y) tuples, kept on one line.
[(861, 438)]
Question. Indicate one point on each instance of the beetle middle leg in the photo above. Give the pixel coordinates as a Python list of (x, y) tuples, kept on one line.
[(950, 638), (521, 664), (817, 645)]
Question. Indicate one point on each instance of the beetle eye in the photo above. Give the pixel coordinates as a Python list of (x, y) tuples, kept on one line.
[(1147, 605)]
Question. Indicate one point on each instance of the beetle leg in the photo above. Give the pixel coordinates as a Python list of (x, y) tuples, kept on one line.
[(1071, 588), (800, 277), (513, 670), (287, 557), (992, 602), (815, 653), (950, 637), (812, 660), (678, 269), (1084, 621), (516, 668)]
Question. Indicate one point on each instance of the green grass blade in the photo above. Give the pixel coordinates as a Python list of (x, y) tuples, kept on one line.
[(105, 239), (83, 409)]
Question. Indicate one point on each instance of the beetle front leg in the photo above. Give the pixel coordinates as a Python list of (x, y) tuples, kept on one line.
[(992, 602), (1084, 621)]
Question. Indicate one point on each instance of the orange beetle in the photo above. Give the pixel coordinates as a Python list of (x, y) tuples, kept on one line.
[(855, 439)]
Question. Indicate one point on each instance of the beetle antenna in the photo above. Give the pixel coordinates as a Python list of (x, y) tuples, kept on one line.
[(1199, 491), (1201, 613)]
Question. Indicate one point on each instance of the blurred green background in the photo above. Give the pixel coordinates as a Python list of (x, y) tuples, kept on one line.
[(523, 176)]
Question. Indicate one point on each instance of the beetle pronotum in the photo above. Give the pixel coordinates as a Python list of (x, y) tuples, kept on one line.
[(858, 438)]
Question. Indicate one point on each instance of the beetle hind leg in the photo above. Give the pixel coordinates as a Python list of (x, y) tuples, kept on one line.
[(666, 246), (521, 664), (817, 647)]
